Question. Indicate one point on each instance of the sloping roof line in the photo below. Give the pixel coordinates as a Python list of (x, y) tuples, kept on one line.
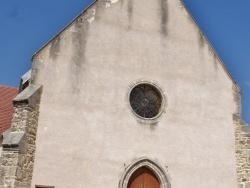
[(59, 33), (214, 51), (7, 89), (184, 5)]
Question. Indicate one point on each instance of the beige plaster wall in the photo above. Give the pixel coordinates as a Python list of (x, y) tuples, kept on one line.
[(87, 133)]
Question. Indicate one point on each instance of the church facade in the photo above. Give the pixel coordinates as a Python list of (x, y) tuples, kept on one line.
[(129, 95)]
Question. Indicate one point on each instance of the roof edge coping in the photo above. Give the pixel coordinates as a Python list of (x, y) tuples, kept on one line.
[(211, 46), (184, 5), (30, 96), (59, 33)]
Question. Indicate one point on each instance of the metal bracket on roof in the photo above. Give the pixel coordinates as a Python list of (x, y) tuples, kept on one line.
[(25, 81)]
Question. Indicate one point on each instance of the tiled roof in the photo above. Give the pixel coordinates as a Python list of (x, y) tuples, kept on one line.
[(6, 108)]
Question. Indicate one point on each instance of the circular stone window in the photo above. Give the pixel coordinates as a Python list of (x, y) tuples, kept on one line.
[(146, 100)]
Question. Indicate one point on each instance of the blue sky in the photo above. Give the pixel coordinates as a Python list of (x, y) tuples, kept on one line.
[(25, 26)]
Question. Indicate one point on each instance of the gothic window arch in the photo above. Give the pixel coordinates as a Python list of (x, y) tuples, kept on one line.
[(158, 171)]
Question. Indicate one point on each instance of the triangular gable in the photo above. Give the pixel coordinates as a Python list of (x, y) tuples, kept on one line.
[(183, 5)]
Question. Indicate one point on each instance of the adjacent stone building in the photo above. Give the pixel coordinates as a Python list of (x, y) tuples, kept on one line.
[(130, 94)]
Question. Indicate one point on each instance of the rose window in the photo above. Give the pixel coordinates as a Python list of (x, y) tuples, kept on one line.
[(145, 100)]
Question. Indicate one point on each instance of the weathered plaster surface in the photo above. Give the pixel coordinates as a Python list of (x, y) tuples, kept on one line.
[(87, 133)]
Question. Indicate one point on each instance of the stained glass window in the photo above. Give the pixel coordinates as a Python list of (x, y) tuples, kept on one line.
[(145, 100)]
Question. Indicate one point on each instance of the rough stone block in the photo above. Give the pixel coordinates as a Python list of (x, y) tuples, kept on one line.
[(15, 141), (30, 96)]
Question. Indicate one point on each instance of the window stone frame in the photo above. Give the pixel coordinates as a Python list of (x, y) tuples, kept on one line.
[(161, 93)]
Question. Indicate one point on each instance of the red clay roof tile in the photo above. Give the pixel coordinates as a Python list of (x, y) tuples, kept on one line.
[(7, 94)]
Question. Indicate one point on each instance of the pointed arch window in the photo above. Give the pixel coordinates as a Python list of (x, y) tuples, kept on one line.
[(136, 173)]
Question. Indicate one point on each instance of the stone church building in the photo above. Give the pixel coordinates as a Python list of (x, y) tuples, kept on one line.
[(129, 95)]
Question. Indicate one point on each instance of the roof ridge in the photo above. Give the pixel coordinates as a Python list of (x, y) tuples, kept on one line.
[(8, 86)]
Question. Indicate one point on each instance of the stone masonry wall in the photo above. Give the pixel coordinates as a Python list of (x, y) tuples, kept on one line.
[(242, 143), (9, 168), (18, 156)]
